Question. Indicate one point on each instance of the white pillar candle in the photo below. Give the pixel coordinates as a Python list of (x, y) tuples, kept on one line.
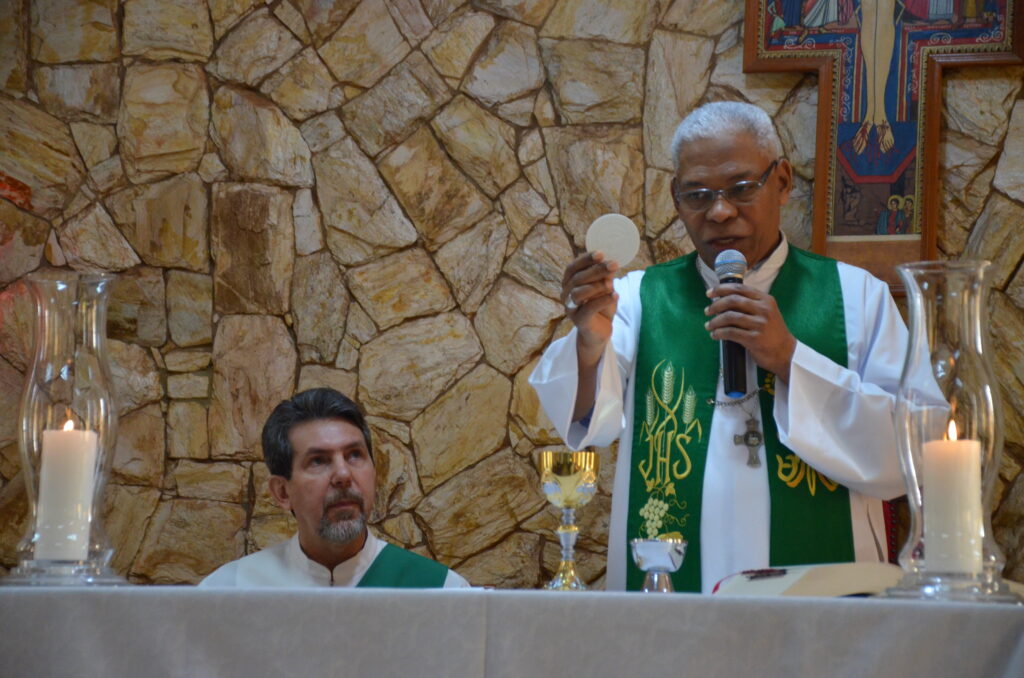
[(952, 505), (66, 481)]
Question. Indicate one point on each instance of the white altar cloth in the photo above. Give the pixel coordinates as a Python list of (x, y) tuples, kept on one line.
[(176, 631)]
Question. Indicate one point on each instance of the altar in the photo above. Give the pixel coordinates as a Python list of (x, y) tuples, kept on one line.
[(174, 631)]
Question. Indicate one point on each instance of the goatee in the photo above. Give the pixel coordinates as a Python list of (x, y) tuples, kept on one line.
[(346, 530), (342, 531)]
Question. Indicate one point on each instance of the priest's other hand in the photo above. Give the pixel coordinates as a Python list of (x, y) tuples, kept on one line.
[(590, 301), (751, 318)]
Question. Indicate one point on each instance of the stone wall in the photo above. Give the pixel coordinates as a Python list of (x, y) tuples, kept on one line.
[(380, 196)]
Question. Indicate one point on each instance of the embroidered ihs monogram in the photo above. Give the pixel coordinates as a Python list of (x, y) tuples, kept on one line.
[(668, 426)]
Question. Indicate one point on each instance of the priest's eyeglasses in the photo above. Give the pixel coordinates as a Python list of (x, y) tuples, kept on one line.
[(740, 193)]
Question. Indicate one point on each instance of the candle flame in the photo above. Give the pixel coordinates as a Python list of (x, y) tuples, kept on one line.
[(69, 425), (951, 431)]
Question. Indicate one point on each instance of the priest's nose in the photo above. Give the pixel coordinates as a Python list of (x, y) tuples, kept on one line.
[(341, 474), (720, 210)]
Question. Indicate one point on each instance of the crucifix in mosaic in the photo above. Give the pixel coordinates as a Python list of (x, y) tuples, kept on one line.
[(879, 64)]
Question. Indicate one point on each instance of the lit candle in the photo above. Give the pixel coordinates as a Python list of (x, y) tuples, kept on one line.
[(952, 504), (66, 481)]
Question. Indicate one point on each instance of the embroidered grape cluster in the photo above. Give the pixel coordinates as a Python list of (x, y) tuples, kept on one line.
[(652, 513)]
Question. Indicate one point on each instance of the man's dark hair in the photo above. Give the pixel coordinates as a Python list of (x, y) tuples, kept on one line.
[(316, 403)]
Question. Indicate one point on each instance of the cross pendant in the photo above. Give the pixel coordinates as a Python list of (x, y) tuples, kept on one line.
[(752, 439)]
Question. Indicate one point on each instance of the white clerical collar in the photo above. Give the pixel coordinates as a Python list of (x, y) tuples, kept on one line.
[(345, 573), (761, 276)]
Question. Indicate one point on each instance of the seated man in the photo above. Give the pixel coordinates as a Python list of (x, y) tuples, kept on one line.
[(794, 470), (318, 449)]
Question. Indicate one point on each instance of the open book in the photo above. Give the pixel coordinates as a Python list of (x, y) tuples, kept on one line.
[(830, 580), (837, 579)]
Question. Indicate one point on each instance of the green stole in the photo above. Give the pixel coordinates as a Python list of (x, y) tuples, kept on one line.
[(397, 568), (677, 370)]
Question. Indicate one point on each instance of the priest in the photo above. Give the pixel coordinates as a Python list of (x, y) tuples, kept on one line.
[(318, 449), (793, 470)]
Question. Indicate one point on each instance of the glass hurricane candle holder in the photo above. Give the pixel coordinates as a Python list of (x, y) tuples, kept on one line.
[(949, 432), (67, 428)]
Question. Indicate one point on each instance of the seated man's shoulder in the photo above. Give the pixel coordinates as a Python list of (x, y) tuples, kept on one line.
[(238, 571), (414, 569), (407, 558)]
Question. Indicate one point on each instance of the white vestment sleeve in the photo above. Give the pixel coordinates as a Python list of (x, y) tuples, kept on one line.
[(840, 420), (555, 378), (454, 580)]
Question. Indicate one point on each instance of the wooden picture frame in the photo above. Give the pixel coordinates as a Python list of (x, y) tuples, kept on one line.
[(985, 32)]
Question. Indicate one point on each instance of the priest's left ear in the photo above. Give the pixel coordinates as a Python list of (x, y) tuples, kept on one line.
[(784, 171)]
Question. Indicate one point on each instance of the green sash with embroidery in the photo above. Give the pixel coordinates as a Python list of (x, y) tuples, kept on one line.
[(677, 373), (397, 568)]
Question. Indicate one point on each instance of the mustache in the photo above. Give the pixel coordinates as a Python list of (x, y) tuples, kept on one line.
[(347, 494)]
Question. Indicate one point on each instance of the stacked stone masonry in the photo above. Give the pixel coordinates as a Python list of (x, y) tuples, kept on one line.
[(380, 196)]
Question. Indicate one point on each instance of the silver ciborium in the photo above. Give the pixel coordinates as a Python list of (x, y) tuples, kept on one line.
[(569, 480), (659, 558)]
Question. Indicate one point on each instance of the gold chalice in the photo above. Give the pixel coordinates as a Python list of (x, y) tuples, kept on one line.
[(569, 480)]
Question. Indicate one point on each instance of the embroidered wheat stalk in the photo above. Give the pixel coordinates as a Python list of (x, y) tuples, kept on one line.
[(668, 383), (689, 405)]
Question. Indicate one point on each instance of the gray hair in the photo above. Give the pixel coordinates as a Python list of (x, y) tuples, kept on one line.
[(722, 118)]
